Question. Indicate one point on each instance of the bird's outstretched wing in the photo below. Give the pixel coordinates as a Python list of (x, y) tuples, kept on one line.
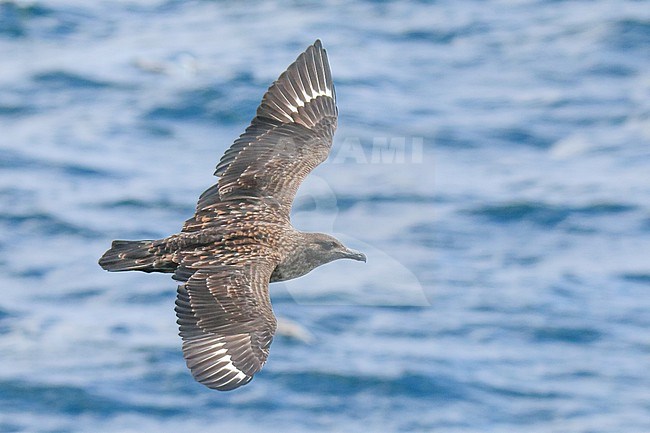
[(225, 318), (289, 136)]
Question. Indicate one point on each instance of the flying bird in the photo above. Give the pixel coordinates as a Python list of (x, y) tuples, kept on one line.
[(240, 238)]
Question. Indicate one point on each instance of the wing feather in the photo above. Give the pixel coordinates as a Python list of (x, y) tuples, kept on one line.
[(290, 135), (225, 320)]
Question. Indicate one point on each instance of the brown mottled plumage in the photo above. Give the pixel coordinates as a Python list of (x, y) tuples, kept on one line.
[(241, 237)]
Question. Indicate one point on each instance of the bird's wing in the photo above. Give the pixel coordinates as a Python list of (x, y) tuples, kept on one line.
[(225, 318), (290, 135)]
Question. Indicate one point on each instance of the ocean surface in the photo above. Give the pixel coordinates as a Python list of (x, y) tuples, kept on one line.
[(492, 160)]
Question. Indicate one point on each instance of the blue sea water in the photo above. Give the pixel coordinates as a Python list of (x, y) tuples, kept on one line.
[(492, 160)]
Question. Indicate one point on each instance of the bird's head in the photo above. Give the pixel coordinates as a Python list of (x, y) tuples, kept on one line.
[(325, 248), (311, 251)]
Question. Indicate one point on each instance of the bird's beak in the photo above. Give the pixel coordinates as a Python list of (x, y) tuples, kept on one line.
[(355, 255)]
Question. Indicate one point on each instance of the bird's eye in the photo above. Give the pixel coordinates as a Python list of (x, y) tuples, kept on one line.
[(327, 245)]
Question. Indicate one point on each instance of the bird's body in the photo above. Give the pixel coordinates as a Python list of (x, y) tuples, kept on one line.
[(241, 237)]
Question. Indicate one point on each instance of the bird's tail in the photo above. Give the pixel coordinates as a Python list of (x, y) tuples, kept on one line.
[(134, 256)]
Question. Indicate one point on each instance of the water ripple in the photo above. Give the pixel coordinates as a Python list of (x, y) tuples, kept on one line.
[(545, 214), (45, 224), (236, 105), (69, 400), (63, 80), (630, 34)]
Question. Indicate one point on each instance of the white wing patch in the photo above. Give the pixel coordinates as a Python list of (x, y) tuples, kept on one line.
[(306, 98), (210, 363), (305, 80)]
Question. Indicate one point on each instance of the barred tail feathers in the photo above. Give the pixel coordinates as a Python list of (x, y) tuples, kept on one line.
[(135, 256)]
